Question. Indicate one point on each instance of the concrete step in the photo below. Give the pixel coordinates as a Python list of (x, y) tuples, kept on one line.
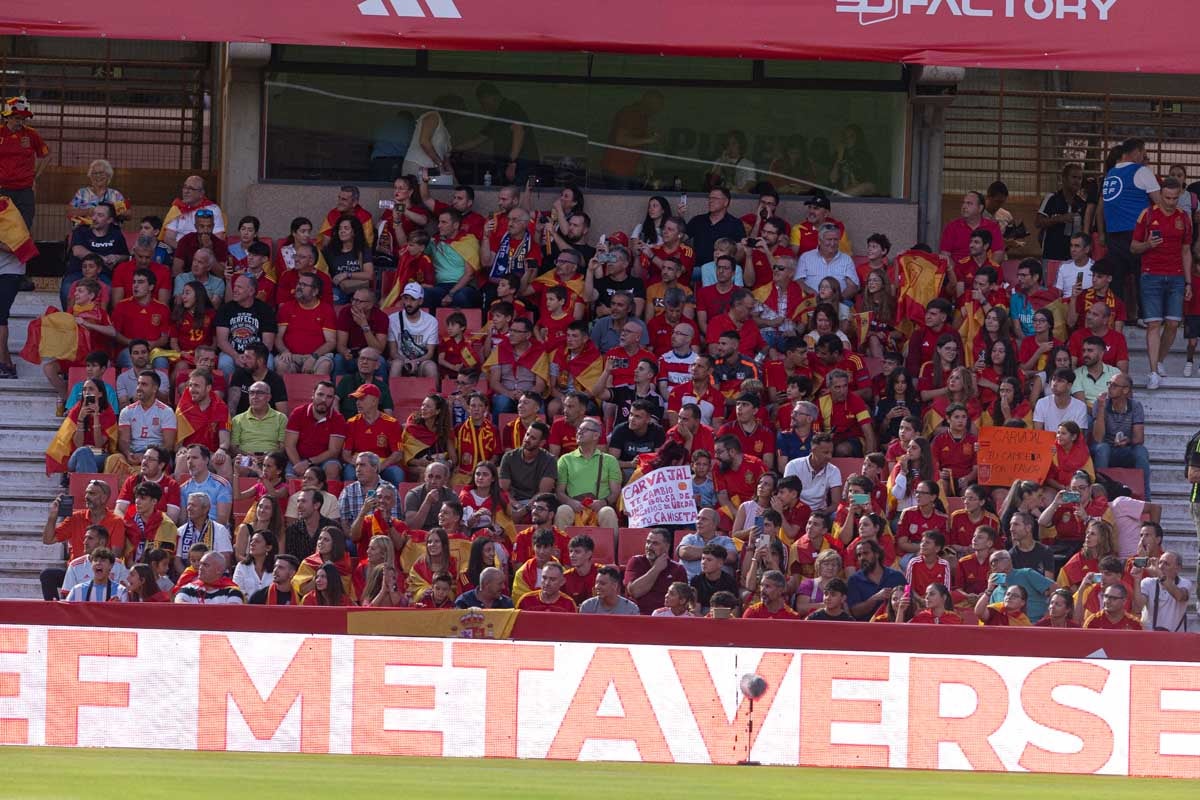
[(27, 444), (20, 588), (27, 406)]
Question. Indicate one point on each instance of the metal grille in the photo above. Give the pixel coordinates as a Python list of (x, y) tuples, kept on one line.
[(133, 105), (1025, 137)]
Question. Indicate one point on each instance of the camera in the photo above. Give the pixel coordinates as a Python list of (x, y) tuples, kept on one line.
[(751, 241)]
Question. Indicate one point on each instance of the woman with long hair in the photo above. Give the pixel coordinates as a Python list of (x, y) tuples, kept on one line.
[(376, 579), (1010, 404), (1060, 611), (267, 517), (1023, 496), (914, 466), (1035, 349), (649, 230), (947, 356), (824, 319), (764, 490), (314, 478), (143, 586), (483, 555), (327, 589), (1058, 358), (926, 514), (766, 555), (999, 362), (960, 388), (87, 436), (1099, 540), (900, 398), (330, 549), (868, 527), (1071, 455), (483, 493), (254, 571), (349, 257), (976, 511), (193, 323), (678, 601), (878, 299), (997, 325), (437, 559), (429, 436)]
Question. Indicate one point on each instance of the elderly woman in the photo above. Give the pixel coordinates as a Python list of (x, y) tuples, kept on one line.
[(100, 173), (811, 594)]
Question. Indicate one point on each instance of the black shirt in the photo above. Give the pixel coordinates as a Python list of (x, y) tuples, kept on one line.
[(629, 445), (1056, 240), (821, 615), (246, 325), (624, 396), (242, 378), (1040, 558), (500, 132), (109, 244), (606, 287), (297, 541), (340, 261), (259, 598), (704, 234), (706, 588)]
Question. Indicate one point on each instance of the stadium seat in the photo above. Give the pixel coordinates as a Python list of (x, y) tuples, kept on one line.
[(1008, 271), (300, 389), (1132, 478), (474, 318), (631, 542), (403, 489), (131, 238), (847, 466), (603, 538), (411, 391), (77, 374), (953, 504), (295, 484), (80, 480), (240, 507), (1051, 275)]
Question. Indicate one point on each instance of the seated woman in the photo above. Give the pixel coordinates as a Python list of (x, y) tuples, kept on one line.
[(331, 549), (376, 579), (928, 514), (483, 494), (768, 554), (99, 174), (1010, 612), (437, 559), (999, 362), (1060, 611), (428, 436), (868, 527), (1099, 540), (1010, 404), (960, 388), (1034, 352), (255, 570), (142, 587), (912, 468), (87, 436), (878, 301), (824, 319), (327, 588), (939, 607), (1071, 455), (193, 324), (947, 356), (811, 594), (677, 602), (900, 399), (265, 517)]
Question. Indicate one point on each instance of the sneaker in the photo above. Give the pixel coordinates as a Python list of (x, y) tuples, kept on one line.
[(1187, 369), (1162, 368), (1153, 381), (8, 372)]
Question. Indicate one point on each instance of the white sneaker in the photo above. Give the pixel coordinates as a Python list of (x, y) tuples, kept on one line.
[(1187, 369), (1162, 368), (1153, 381)]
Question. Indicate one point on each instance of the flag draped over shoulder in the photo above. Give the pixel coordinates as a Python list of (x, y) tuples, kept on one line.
[(1051, 299), (799, 303), (14, 234), (535, 359), (579, 372), (969, 328), (921, 278), (548, 279), (416, 439), (63, 444), (178, 209)]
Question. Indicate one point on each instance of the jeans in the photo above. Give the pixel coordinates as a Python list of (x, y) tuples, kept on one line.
[(1133, 456), (227, 365), (466, 297), (1162, 298), (503, 405), (84, 460)]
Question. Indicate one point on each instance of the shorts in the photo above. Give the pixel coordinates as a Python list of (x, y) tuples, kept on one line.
[(10, 286), (1162, 297), (1191, 326)]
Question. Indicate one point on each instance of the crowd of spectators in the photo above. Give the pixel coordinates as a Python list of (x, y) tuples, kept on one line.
[(829, 407)]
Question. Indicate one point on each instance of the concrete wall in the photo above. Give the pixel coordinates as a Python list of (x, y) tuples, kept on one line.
[(277, 204)]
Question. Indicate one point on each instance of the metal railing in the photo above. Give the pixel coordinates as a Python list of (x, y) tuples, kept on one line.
[(1026, 137)]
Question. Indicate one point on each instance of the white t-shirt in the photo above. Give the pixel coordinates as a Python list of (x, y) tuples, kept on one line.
[(424, 332), (1170, 611), (816, 487), (146, 426), (1051, 416), (1067, 272), (186, 223)]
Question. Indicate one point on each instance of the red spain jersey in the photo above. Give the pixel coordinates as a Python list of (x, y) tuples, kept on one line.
[(1114, 341), (758, 442), (285, 290), (759, 611), (919, 574), (711, 401), (306, 327), (381, 437), (741, 482), (850, 362), (523, 545), (556, 329), (683, 253), (207, 423), (621, 365), (19, 152), (845, 420), (1087, 299), (973, 573), (956, 455), (660, 332), (533, 602), (962, 530), (461, 354), (913, 524), (580, 587), (751, 340), (1176, 232), (1100, 621), (137, 321), (714, 302), (776, 374)]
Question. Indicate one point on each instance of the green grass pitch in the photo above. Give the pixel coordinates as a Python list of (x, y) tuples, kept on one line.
[(39, 773)]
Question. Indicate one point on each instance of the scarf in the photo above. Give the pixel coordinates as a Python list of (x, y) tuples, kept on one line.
[(508, 263), (137, 525), (580, 371), (189, 535), (273, 596)]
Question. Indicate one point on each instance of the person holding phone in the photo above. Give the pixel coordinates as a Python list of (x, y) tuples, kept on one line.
[(1163, 238)]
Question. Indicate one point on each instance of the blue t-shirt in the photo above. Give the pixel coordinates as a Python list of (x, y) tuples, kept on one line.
[(860, 587), (77, 392), (217, 490), (1124, 199), (1035, 585), (695, 540), (1021, 312)]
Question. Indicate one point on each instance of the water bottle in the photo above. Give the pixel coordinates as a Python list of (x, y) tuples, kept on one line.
[(487, 178)]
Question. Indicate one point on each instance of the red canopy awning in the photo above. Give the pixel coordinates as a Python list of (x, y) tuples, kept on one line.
[(1097, 35)]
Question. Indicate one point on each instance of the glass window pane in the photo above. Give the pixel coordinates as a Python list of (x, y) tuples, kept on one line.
[(301, 53), (833, 70), (484, 63), (652, 68)]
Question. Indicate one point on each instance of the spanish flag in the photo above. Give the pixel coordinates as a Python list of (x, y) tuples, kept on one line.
[(178, 209), (969, 328), (63, 444), (535, 359), (416, 439), (548, 279), (278, 265), (860, 326), (364, 216), (14, 235), (57, 335), (1051, 300), (580, 372), (921, 278), (799, 302)]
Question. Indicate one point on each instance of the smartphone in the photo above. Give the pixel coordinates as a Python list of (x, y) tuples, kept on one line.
[(1000, 578), (1096, 578), (763, 213), (722, 613), (370, 494), (1155, 235), (907, 591), (901, 404), (1140, 562), (66, 506), (683, 200), (758, 524), (1070, 497), (433, 172), (387, 204), (860, 499), (603, 241)]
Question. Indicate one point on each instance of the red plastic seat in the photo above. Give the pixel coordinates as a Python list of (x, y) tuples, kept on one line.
[(604, 551), (631, 542), (80, 480)]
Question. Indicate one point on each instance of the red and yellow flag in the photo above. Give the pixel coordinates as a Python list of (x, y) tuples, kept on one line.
[(63, 444), (921, 278), (14, 234)]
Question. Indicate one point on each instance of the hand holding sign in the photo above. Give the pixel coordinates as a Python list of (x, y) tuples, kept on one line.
[(1010, 454)]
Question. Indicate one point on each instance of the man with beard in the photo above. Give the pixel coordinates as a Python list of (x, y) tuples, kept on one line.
[(735, 478), (873, 583), (241, 321), (315, 434), (528, 471)]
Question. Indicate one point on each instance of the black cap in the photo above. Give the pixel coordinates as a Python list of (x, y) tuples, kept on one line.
[(819, 201)]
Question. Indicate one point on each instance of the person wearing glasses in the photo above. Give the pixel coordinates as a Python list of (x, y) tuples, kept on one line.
[(1112, 615), (307, 330), (589, 482), (181, 216)]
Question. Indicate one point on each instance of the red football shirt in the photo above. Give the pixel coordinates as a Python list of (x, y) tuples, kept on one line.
[(1117, 347), (751, 339), (306, 327), (956, 455), (19, 152), (1176, 231), (759, 611), (711, 402), (758, 442), (208, 423), (381, 437), (314, 434), (713, 302), (123, 277), (913, 524), (740, 483), (533, 602), (660, 332), (973, 574), (621, 365), (138, 321)]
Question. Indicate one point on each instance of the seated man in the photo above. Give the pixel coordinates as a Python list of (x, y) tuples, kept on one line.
[(279, 593), (146, 526), (181, 216), (647, 576), (207, 271), (528, 470), (489, 593), (79, 569), (712, 577), (455, 254), (528, 577), (154, 468), (307, 330), (142, 257), (139, 357), (315, 434), (201, 481), (211, 587), (145, 422), (257, 431), (608, 598), (200, 527), (203, 419), (201, 238), (360, 325), (518, 364), (252, 368), (589, 482), (412, 336), (346, 203), (580, 579), (550, 596), (142, 318), (103, 238), (243, 320), (541, 516), (773, 605)]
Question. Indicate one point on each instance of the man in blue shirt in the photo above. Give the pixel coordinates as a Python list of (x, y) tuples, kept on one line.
[(1128, 188), (873, 583)]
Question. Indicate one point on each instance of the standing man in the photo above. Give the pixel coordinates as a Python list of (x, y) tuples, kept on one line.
[(1163, 238), (1061, 215), (346, 203), (514, 147), (718, 223), (1128, 188), (23, 156)]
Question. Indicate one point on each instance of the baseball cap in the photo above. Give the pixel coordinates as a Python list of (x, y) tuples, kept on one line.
[(367, 390), (414, 290), (17, 107), (818, 201), (620, 237)]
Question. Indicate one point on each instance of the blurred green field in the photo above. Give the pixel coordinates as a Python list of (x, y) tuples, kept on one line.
[(46, 772)]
